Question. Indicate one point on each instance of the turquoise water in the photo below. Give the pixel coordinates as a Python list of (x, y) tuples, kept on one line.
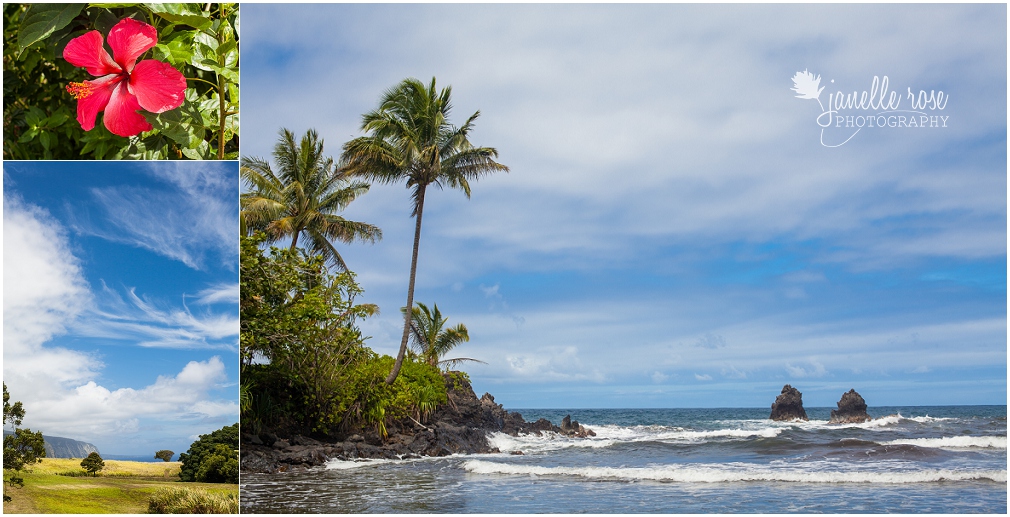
[(949, 459)]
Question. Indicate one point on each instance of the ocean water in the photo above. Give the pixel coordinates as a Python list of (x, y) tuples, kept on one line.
[(942, 459)]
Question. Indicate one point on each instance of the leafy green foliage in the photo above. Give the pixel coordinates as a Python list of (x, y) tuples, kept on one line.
[(213, 458), (304, 363), (22, 448), (93, 463), (191, 500), (459, 379), (164, 455), (39, 121)]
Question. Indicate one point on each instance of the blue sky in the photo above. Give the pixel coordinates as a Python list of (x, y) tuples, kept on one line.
[(676, 229), (121, 300)]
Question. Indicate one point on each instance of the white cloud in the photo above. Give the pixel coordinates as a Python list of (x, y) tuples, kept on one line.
[(813, 369), (197, 215), (553, 364), (45, 296), (155, 324), (44, 292), (92, 410), (220, 293)]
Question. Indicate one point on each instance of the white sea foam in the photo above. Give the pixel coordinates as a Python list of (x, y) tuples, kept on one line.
[(336, 464), (531, 443), (608, 435), (954, 442), (726, 473)]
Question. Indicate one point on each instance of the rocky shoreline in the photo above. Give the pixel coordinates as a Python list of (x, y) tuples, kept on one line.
[(460, 426)]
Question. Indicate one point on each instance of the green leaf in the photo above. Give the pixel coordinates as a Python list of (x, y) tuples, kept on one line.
[(197, 22), (34, 116), (183, 9), (177, 52), (28, 136), (41, 20)]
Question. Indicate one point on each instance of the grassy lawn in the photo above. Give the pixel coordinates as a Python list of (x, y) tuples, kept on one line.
[(122, 487)]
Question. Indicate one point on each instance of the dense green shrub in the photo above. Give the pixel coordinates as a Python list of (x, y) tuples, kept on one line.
[(191, 500), (304, 364), (213, 458)]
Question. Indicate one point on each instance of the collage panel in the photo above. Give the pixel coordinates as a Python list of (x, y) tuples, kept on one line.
[(120, 342), (121, 81), (634, 258), (633, 228)]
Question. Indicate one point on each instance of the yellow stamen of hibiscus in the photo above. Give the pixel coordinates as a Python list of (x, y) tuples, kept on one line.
[(80, 90)]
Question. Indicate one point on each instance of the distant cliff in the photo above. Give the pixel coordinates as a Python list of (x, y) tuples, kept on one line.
[(57, 447)]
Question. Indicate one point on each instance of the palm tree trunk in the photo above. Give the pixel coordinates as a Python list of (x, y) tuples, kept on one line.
[(410, 290)]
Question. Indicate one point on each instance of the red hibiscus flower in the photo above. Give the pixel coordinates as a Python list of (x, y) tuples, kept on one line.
[(123, 86)]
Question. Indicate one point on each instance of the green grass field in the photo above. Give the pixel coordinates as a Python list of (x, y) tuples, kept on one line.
[(122, 487)]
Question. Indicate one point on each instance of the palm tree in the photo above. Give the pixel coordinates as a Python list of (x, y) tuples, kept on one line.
[(431, 341), (303, 197), (411, 140)]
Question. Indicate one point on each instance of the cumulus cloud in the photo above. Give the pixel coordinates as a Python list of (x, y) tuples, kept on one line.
[(44, 292), (45, 296), (94, 410)]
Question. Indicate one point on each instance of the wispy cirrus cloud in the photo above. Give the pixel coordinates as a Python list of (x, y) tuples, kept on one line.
[(191, 219)]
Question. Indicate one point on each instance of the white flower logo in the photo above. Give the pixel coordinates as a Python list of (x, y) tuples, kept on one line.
[(806, 85)]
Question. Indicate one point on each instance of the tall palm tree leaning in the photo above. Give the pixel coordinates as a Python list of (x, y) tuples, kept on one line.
[(302, 197), (411, 139), (433, 341)]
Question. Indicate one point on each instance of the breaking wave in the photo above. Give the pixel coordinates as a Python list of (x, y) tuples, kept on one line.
[(734, 473), (954, 442)]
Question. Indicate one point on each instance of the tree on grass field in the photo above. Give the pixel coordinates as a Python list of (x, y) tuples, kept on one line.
[(411, 140), (213, 458), (22, 448), (302, 198), (164, 455), (93, 463)]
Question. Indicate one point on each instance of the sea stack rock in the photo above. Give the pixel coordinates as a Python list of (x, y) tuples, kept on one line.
[(574, 429), (851, 410), (789, 405)]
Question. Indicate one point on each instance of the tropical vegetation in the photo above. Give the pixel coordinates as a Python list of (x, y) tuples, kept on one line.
[(302, 198), (305, 367), (432, 341), (57, 80), (411, 140)]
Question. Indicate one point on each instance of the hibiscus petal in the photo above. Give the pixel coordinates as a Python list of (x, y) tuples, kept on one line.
[(158, 86), (121, 115), (89, 106), (87, 51), (129, 39)]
